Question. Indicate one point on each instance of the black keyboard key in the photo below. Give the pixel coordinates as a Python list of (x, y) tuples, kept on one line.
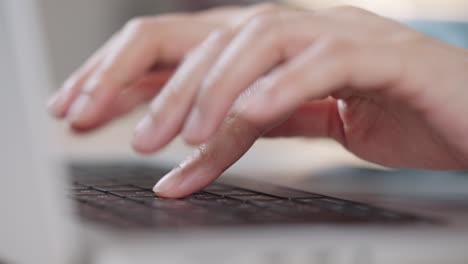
[(231, 192), (87, 192), (115, 187), (137, 193)]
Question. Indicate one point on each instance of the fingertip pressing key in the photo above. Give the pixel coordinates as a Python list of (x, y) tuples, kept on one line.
[(166, 186)]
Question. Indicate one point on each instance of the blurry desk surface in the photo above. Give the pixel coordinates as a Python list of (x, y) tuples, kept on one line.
[(280, 159)]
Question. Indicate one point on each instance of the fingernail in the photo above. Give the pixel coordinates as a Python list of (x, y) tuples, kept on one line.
[(173, 182), (145, 132), (83, 109), (193, 129), (168, 184), (53, 105)]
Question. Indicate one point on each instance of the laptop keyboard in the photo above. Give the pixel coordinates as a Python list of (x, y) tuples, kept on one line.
[(122, 196)]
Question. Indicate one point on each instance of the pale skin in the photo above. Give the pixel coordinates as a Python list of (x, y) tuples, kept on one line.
[(225, 77)]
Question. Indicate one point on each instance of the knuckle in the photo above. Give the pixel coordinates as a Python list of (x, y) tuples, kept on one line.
[(239, 130), (262, 22), (204, 152), (333, 46), (221, 36), (216, 39), (336, 54), (275, 88)]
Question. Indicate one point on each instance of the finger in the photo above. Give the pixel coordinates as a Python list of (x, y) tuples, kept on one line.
[(329, 67), (142, 43), (210, 160), (59, 103), (241, 48), (313, 119), (169, 109), (251, 54), (144, 90)]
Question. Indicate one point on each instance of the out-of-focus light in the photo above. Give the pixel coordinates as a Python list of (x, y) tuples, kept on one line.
[(405, 9)]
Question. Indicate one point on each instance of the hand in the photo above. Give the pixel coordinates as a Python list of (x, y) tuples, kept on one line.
[(387, 93)]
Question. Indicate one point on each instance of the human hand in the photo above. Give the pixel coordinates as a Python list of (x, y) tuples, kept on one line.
[(377, 87)]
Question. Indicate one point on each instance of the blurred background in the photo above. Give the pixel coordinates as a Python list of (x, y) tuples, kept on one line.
[(76, 28)]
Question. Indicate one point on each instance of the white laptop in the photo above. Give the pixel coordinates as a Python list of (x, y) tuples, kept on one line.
[(56, 212)]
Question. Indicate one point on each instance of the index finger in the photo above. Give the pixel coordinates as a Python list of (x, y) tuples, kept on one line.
[(210, 160)]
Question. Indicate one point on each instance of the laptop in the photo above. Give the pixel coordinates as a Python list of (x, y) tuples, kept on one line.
[(56, 211)]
